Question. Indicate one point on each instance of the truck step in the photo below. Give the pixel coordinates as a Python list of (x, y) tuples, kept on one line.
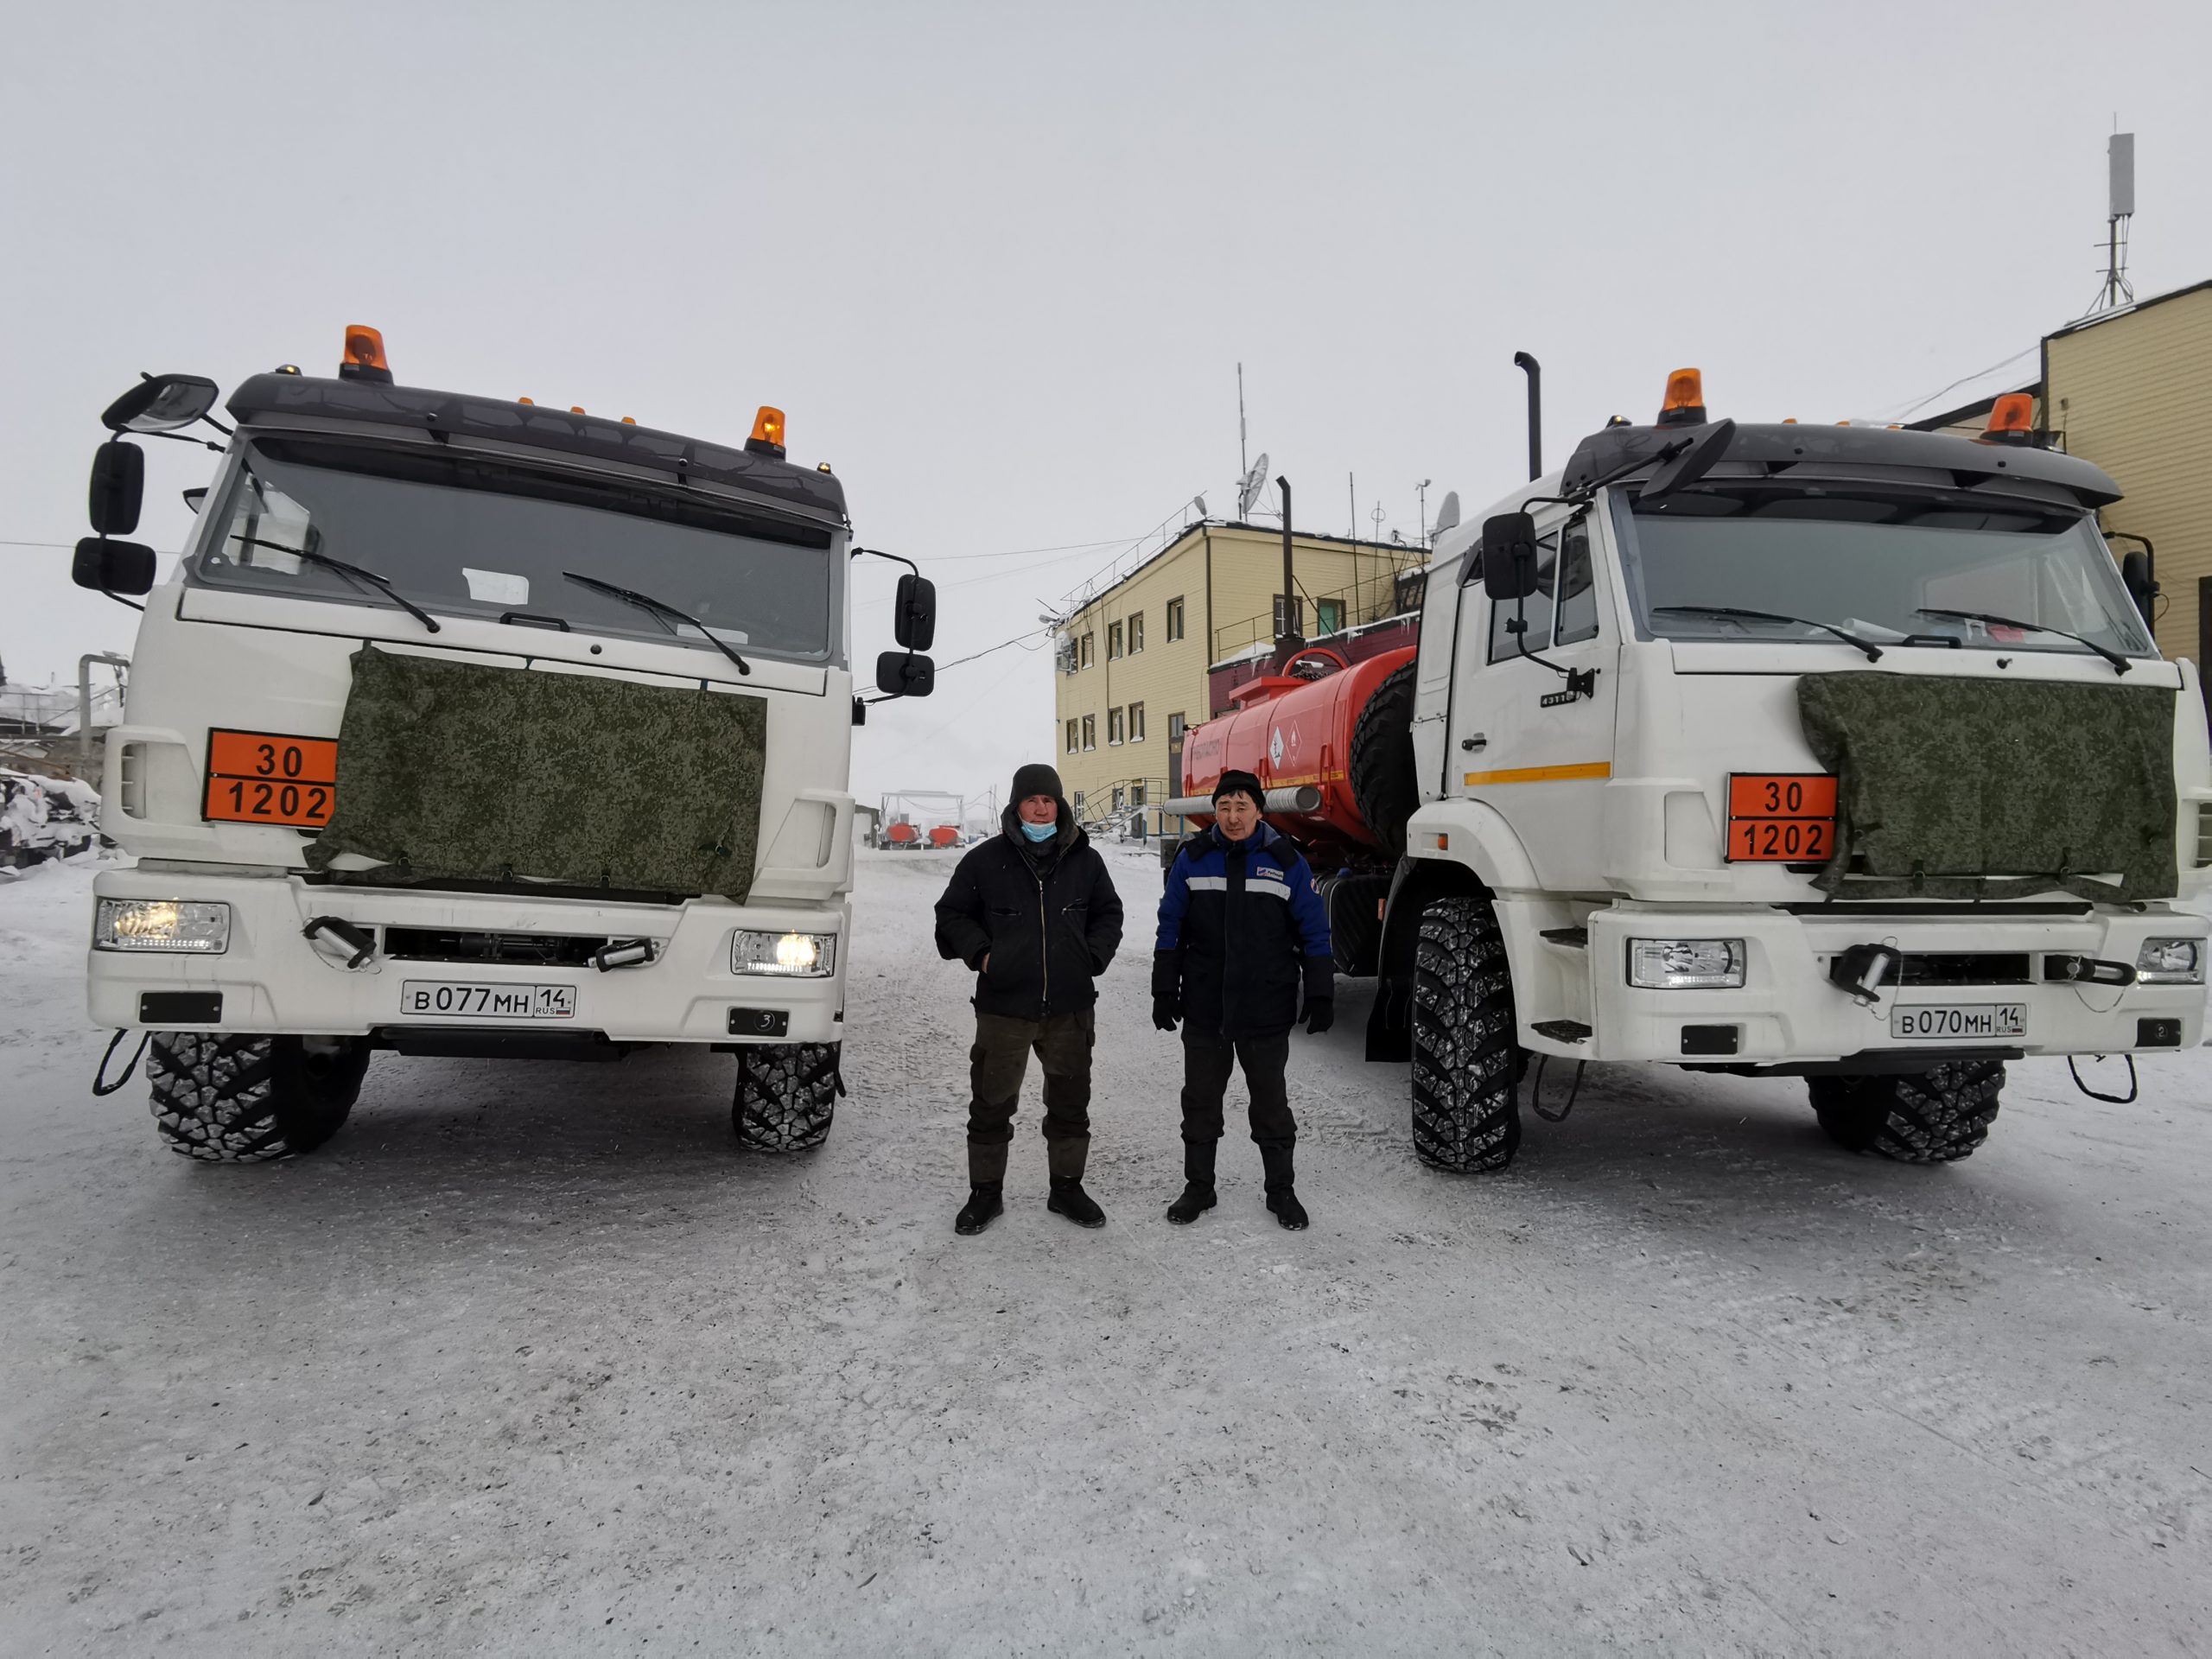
[(1562, 1031), (1574, 938)]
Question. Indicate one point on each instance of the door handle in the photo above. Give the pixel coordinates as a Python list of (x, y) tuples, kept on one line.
[(1478, 741)]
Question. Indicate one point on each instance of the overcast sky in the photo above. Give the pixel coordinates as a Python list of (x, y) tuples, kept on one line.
[(998, 264)]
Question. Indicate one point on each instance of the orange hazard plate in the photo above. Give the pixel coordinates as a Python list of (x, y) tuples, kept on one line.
[(1780, 818), (269, 778)]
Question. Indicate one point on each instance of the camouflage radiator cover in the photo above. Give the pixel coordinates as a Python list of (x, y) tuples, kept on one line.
[(1944, 781), (459, 770)]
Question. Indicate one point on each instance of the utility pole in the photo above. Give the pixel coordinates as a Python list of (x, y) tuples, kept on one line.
[(1421, 489), (1243, 466)]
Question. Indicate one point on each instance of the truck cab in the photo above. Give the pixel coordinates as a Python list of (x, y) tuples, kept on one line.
[(1835, 751), (470, 727)]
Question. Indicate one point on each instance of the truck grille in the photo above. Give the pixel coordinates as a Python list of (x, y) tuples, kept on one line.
[(456, 944), (1965, 968)]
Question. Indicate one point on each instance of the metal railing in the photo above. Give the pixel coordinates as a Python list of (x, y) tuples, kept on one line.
[(1373, 599)]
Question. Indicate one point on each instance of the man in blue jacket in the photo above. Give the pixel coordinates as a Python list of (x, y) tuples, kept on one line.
[(1241, 927)]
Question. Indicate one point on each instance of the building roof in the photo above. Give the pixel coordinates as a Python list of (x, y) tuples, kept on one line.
[(1273, 532), (2128, 310)]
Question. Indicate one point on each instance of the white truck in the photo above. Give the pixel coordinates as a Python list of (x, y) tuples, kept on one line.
[(1841, 753), (471, 726)]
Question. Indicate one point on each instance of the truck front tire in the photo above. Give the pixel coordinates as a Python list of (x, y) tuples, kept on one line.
[(1467, 1104), (234, 1099), (1936, 1117), (786, 1095)]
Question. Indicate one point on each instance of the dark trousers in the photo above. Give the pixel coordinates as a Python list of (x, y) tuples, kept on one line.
[(1205, 1081), (996, 1064)]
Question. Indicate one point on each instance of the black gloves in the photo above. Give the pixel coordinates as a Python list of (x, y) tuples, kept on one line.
[(1320, 1014), (1164, 1013)]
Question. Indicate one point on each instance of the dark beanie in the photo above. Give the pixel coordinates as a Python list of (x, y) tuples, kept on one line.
[(1036, 778), (1240, 783)]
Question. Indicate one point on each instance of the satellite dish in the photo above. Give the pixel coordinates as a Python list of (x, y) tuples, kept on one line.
[(1248, 488), (1447, 516)]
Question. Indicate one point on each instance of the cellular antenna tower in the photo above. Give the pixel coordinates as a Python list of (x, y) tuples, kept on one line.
[(2119, 159)]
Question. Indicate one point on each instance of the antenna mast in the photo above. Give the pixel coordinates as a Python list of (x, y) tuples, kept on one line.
[(2119, 158), (1244, 469)]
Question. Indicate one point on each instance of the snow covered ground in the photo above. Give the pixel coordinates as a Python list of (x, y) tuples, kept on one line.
[(532, 1360)]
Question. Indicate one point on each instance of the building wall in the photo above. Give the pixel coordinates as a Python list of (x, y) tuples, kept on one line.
[(2133, 393), (1169, 676)]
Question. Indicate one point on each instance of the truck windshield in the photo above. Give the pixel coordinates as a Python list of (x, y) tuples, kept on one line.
[(468, 535), (1873, 566)]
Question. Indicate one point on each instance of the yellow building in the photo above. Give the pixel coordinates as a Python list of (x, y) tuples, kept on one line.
[(2132, 391), (1132, 663)]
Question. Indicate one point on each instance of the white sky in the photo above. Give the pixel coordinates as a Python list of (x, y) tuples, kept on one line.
[(998, 263)]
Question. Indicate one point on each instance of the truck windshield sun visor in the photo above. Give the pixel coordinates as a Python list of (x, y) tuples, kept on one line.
[(472, 536), (1800, 565)]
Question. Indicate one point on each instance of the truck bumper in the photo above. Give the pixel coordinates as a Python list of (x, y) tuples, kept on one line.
[(1788, 1012), (273, 979)]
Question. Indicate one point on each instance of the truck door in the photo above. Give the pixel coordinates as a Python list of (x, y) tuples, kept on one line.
[(1526, 738)]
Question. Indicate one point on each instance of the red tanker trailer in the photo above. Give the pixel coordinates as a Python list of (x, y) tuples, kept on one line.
[(902, 836), (944, 835), (1332, 743)]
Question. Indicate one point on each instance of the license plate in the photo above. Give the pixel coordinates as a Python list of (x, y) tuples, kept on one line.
[(1966, 1022), (447, 999), (1780, 818), (269, 778)]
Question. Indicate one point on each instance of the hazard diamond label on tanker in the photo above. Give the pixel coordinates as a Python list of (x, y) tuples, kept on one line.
[(1780, 818), (270, 778)]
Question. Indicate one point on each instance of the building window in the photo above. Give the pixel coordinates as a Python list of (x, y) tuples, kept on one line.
[(1136, 633), (1113, 726), (1136, 722), (1329, 615), (1091, 731), (1113, 640), (1175, 619), (1136, 794), (1176, 727), (1086, 656), (1078, 802), (1297, 617), (1072, 737), (1118, 796)]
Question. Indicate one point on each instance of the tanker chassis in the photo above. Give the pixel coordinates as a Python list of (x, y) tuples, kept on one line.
[(1833, 752), (467, 727)]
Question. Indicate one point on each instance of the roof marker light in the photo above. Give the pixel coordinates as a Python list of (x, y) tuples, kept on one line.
[(528, 402), (1685, 405), (768, 437), (364, 358), (575, 409)]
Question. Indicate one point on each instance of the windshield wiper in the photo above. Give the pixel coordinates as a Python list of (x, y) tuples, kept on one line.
[(647, 602), (358, 572), (1873, 652), (2121, 665)]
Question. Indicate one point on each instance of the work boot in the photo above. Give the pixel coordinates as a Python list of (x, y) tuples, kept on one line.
[(1069, 1199), (1282, 1202), (1197, 1183), (983, 1208)]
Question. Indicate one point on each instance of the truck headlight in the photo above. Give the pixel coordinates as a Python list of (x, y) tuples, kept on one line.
[(2170, 962), (162, 924), (791, 956), (1686, 964)]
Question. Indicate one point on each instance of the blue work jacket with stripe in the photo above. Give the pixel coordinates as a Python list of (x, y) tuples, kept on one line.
[(1241, 927)]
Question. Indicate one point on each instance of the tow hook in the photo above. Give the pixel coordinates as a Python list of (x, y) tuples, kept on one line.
[(1861, 970), (622, 953), (358, 948), (2088, 971)]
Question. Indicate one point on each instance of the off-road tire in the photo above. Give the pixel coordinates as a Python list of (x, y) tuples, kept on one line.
[(1467, 1065), (1937, 1116), (786, 1095), (233, 1099), (1385, 786)]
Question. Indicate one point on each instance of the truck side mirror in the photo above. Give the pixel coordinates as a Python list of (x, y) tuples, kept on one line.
[(119, 488), (1703, 455), (2135, 573), (902, 674), (913, 622), (161, 402), (108, 566), (1510, 555)]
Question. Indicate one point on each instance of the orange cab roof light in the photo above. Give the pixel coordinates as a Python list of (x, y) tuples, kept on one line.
[(1685, 405), (768, 437), (364, 358), (2011, 419)]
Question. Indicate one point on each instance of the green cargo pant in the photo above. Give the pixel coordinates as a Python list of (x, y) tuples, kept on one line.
[(997, 1066)]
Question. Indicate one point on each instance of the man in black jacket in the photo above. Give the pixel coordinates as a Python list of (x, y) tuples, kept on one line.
[(1034, 911), (1241, 927)]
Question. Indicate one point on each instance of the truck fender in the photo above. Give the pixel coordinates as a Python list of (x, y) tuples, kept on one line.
[(1416, 884)]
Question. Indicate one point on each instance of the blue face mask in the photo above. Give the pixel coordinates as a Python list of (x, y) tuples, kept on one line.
[(1040, 833)]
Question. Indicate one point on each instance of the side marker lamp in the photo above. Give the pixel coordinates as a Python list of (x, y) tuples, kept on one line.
[(364, 358), (1686, 964), (768, 437), (172, 925)]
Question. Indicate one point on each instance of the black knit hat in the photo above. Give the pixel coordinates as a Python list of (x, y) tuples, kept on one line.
[(1036, 778), (1240, 783)]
